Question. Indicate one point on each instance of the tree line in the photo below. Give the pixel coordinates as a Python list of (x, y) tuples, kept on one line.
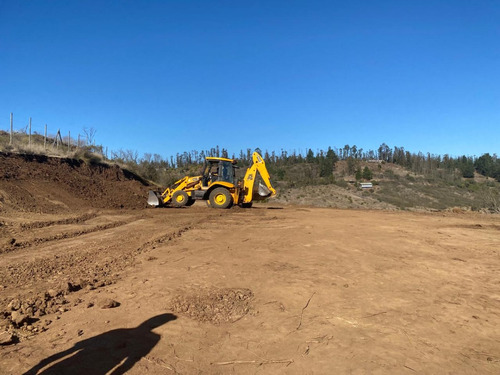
[(312, 167)]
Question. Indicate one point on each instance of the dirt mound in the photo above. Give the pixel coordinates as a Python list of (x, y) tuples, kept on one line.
[(38, 183), (215, 306)]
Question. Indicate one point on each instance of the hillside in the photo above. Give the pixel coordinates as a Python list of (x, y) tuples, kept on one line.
[(394, 187)]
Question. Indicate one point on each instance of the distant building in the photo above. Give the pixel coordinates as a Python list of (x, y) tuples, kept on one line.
[(366, 185)]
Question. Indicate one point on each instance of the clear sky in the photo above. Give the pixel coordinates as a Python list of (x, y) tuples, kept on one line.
[(172, 76)]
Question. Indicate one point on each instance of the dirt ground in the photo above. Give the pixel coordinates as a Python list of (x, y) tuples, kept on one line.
[(272, 290), (93, 282)]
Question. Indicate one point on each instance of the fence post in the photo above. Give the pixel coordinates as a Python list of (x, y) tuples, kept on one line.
[(69, 140), (11, 127), (45, 138), (29, 138)]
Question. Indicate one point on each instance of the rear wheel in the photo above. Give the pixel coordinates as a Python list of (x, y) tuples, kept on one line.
[(247, 205), (180, 199), (190, 202), (220, 198)]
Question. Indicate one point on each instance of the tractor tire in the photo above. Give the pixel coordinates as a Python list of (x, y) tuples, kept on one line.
[(220, 198), (180, 199), (190, 202), (247, 205)]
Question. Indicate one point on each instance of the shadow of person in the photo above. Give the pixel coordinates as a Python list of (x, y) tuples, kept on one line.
[(114, 352)]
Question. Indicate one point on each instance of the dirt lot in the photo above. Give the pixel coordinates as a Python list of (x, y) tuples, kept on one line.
[(92, 282), (266, 290)]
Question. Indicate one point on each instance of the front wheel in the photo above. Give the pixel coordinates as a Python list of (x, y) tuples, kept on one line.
[(220, 198), (247, 205), (180, 199)]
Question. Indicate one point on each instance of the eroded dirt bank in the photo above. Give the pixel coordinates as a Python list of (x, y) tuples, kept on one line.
[(293, 290), (41, 184)]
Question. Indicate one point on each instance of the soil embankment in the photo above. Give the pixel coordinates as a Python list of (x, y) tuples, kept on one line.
[(41, 184)]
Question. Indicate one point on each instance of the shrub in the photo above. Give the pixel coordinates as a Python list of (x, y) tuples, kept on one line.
[(367, 173)]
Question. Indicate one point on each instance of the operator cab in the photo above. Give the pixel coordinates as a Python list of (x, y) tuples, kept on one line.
[(218, 169)]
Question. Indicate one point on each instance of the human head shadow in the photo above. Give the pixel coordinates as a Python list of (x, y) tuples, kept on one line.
[(118, 350)]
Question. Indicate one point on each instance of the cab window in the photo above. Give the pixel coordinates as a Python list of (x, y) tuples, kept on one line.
[(226, 172)]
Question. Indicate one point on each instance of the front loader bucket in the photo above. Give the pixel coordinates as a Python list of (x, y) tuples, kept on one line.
[(264, 191), (153, 199)]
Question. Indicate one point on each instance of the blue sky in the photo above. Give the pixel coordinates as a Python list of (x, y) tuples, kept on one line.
[(172, 76)]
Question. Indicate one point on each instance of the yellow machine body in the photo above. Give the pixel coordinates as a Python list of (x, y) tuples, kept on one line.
[(218, 185)]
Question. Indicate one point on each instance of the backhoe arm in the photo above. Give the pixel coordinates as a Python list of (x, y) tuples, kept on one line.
[(258, 166)]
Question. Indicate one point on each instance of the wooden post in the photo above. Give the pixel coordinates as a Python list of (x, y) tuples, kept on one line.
[(45, 138), (69, 140), (11, 127), (29, 138)]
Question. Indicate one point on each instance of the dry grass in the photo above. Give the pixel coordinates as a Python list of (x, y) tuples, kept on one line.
[(21, 145)]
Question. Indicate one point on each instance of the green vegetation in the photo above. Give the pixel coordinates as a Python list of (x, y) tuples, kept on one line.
[(367, 173)]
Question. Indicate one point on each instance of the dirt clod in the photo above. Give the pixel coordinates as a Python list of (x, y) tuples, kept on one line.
[(215, 306), (6, 338), (18, 318), (14, 305), (108, 303)]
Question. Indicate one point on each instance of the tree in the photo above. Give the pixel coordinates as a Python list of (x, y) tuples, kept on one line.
[(367, 173), (485, 165), (331, 155), (466, 166), (90, 135), (359, 174), (310, 156), (346, 150), (384, 152)]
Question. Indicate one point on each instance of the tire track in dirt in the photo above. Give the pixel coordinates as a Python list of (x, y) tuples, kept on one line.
[(97, 267), (39, 240), (72, 220), (150, 245)]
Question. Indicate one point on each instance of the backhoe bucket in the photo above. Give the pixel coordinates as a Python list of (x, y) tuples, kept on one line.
[(264, 191), (153, 199)]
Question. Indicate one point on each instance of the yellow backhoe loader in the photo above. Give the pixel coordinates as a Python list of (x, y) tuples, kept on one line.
[(218, 186)]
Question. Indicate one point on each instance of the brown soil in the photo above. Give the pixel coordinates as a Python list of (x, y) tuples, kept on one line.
[(94, 289), (36, 183), (214, 306)]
